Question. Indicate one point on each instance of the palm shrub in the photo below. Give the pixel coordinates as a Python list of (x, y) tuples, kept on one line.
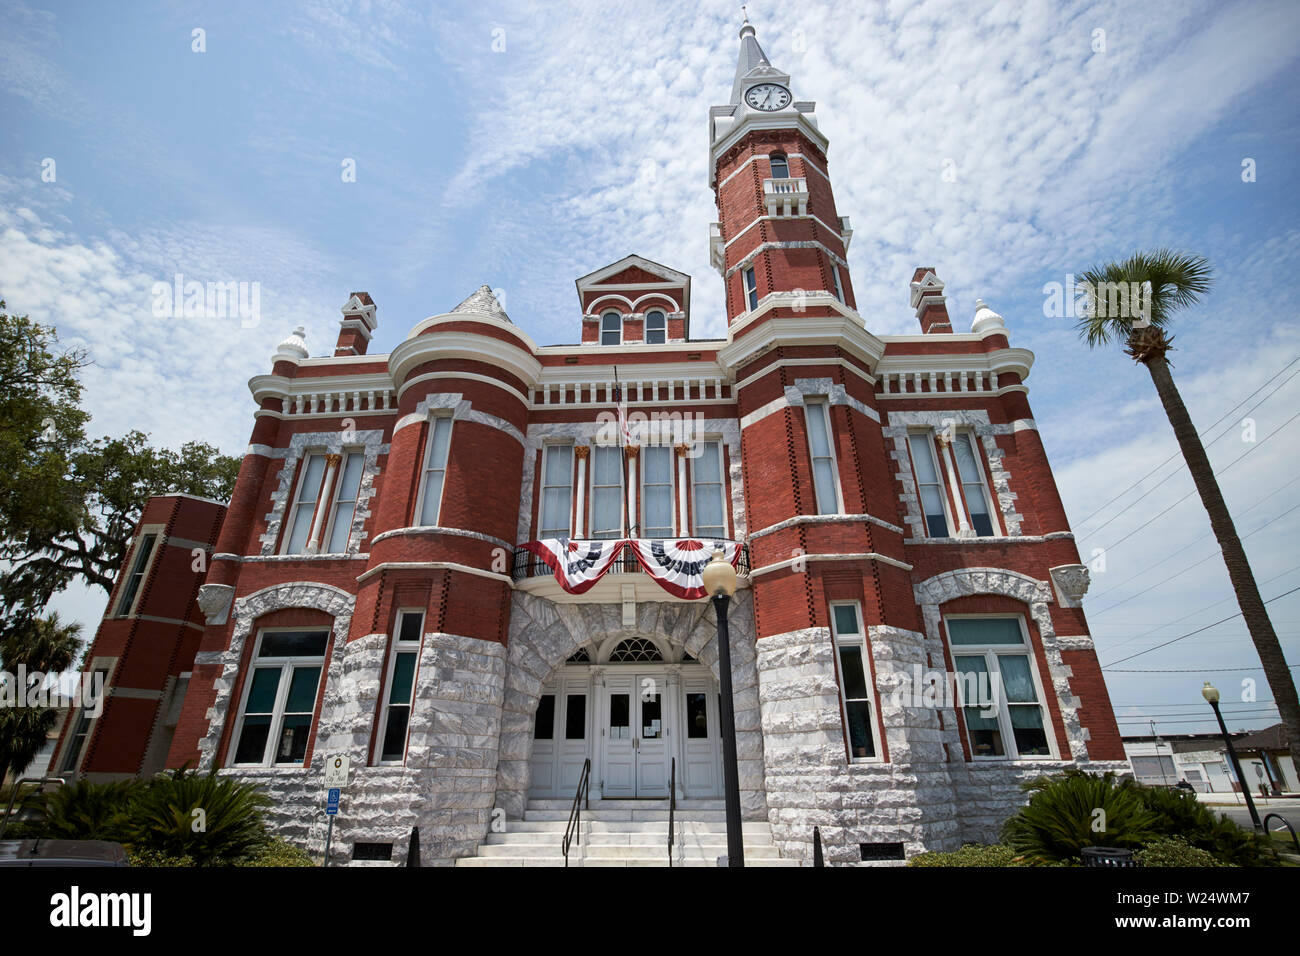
[(1180, 814), (1074, 810), (207, 818), (84, 811)]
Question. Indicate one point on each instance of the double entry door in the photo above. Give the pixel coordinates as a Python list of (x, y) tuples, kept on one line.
[(635, 738)]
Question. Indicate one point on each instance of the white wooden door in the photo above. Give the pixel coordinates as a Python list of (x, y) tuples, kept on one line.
[(700, 741), (653, 736), (618, 743)]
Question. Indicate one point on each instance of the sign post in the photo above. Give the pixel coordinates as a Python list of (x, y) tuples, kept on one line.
[(336, 778)]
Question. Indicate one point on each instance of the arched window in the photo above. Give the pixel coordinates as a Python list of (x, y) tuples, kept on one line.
[(580, 656), (611, 328), (780, 166), (635, 650), (656, 328)]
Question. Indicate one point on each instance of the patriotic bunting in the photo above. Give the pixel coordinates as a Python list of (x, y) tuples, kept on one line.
[(677, 565)]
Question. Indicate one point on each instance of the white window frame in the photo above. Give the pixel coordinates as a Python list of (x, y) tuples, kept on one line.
[(286, 665), (990, 653), (941, 476), (603, 316), (646, 336), (750, 281), (547, 449), (106, 665), (989, 502), (820, 405), (835, 276), (327, 533), (643, 498), (425, 469), (622, 495), (291, 513), (858, 640), (773, 159), (722, 488), (154, 550), (398, 646)]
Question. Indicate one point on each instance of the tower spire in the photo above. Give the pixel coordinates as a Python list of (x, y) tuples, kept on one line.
[(751, 58)]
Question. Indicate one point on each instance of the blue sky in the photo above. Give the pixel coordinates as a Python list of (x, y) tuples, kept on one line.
[(525, 145)]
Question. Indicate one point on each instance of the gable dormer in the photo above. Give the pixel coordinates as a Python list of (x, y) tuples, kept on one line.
[(635, 301)]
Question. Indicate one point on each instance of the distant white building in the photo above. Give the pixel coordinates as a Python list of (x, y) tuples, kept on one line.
[(1167, 759)]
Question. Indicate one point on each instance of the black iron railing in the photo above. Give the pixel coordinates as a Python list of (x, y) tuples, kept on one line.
[(573, 832), (1269, 833), (672, 809), (529, 565)]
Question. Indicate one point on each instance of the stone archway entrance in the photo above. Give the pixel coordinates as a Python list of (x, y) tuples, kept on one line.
[(544, 634)]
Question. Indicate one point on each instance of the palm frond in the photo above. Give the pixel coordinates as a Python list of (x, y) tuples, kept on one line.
[(1177, 280)]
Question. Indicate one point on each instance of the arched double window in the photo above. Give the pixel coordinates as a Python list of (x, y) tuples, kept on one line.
[(611, 328)]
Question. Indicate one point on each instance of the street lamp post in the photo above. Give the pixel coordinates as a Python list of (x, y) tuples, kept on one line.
[(720, 584), (1211, 695)]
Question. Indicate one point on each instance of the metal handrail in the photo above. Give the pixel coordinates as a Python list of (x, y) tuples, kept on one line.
[(672, 810), (1294, 839), (817, 847), (573, 832), (13, 795)]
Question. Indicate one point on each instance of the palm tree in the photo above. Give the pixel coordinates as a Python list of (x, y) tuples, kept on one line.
[(47, 645), (1177, 281)]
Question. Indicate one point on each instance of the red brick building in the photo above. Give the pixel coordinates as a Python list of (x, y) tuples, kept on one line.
[(887, 498)]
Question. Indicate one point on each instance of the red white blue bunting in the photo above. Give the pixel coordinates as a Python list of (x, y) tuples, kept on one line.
[(677, 565)]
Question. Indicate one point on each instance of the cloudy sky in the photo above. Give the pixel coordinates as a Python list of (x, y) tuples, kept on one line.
[(524, 145)]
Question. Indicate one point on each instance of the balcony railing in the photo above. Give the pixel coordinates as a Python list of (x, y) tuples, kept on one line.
[(529, 565), (786, 197)]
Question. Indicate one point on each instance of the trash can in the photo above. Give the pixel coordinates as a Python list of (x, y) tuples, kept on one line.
[(1107, 856)]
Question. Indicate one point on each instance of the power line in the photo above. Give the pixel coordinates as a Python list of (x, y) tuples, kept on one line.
[(1198, 631), (1222, 471), (1177, 574), (1208, 534), (1188, 670), (1227, 415)]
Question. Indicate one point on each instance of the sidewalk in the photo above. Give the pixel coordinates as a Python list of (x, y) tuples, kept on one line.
[(1287, 801)]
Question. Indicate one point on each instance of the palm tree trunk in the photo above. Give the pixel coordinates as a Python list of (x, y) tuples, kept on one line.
[(1234, 555)]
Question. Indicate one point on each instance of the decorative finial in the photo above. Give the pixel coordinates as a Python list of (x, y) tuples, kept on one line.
[(746, 28)]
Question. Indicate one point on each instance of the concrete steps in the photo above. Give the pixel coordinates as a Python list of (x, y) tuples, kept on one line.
[(623, 833)]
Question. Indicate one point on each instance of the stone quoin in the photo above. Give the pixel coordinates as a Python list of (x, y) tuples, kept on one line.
[(381, 583)]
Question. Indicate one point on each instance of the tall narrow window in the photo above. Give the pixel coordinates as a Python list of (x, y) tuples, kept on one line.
[(780, 166), (855, 680), (611, 328), (928, 483), (657, 491), (313, 471), (823, 458), (606, 491), (557, 491), (656, 328), (835, 275), (345, 506), (1002, 705), (76, 741), (435, 470), (131, 587), (402, 666), (972, 484), (706, 472), (280, 698), (751, 289)]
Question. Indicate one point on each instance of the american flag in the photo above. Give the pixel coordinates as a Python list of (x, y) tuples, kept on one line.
[(625, 436)]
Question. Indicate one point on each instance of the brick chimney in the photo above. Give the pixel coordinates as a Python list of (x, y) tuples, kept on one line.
[(358, 325), (929, 302)]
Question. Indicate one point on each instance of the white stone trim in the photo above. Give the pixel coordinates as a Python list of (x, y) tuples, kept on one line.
[(441, 529), (803, 387), (825, 519), (805, 558)]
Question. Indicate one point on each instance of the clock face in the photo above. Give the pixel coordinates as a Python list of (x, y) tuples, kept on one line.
[(768, 97)]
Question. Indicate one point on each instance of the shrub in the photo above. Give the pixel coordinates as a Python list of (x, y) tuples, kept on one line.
[(154, 858), (1175, 851), (1180, 814), (1065, 812), (84, 811), (205, 817), (972, 854), (277, 852)]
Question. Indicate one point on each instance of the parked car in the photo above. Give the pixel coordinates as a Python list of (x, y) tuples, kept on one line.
[(61, 853)]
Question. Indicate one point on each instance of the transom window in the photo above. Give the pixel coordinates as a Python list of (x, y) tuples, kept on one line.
[(635, 650), (993, 661), (825, 480), (280, 697), (856, 697), (611, 328), (435, 470), (656, 328), (403, 665)]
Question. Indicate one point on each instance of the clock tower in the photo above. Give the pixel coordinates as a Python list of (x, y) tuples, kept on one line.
[(779, 242)]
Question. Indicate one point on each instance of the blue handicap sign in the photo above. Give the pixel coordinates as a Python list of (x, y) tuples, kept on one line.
[(332, 801)]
